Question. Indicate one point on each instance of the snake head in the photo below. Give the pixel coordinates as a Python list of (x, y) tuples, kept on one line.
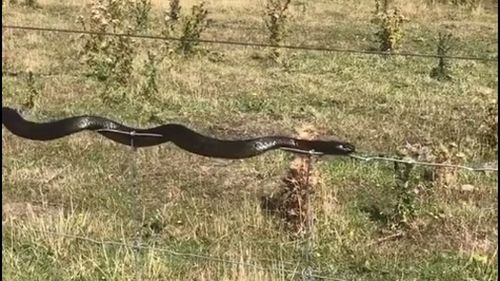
[(322, 147), (333, 147), (347, 147), (341, 148)]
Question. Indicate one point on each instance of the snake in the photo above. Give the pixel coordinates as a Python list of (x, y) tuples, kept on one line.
[(180, 135)]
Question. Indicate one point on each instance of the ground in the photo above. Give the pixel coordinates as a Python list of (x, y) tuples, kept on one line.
[(88, 186)]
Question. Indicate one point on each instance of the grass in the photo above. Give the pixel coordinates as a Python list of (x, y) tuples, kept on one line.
[(84, 185)]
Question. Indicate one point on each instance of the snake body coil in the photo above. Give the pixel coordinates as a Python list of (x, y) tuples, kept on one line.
[(180, 135)]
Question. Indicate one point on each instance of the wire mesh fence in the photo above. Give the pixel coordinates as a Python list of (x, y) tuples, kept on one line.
[(277, 266), (306, 272), (300, 268)]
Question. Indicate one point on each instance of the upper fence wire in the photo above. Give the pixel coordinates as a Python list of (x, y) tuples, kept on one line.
[(251, 44)]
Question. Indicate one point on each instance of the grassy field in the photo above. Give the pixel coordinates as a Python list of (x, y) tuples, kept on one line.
[(86, 186)]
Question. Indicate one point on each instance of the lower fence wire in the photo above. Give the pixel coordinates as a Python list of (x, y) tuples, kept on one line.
[(188, 256)]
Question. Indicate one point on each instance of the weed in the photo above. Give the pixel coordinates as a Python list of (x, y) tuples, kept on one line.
[(302, 5), (382, 6), (168, 30), (488, 130), (450, 153), (153, 226), (31, 3), (446, 177), (27, 3), (108, 57), (275, 18), (33, 92), (468, 4), (150, 86), (175, 10), (442, 71), (15, 2), (5, 58), (188, 28), (390, 27), (142, 10), (293, 203), (192, 27), (404, 210)]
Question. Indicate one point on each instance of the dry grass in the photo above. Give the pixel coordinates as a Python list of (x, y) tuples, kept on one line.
[(84, 185)]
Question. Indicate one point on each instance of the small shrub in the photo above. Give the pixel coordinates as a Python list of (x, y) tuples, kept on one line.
[(142, 10), (275, 18), (188, 28), (390, 23), (5, 58), (446, 178), (33, 92), (398, 208), (175, 10), (191, 28), (404, 210), (150, 86), (442, 71), (28, 3), (153, 226), (468, 4), (148, 93), (168, 29), (292, 204), (109, 58), (302, 5), (382, 6), (31, 3), (488, 130)]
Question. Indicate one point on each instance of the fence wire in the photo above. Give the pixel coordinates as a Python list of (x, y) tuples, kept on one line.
[(407, 160), (249, 44)]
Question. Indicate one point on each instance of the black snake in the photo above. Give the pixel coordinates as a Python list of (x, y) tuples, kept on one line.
[(180, 135)]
